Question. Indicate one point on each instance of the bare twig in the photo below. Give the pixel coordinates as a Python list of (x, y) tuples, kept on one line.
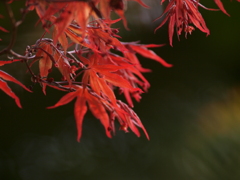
[(21, 56), (15, 25)]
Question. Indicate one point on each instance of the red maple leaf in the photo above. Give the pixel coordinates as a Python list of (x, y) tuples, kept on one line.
[(99, 107), (48, 55), (45, 62), (181, 13), (7, 89), (221, 7), (100, 76)]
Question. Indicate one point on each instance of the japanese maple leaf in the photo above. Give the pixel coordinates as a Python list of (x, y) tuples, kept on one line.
[(80, 108), (99, 107), (133, 69), (107, 38), (129, 119), (133, 75), (48, 55), (4, 87), (100, 76), (181, 13), (143, 50), (45, 63), (99, 38), (65, 12), (221, 7)]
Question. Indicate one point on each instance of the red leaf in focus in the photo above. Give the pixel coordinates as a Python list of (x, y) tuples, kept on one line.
[(131, 72), (103, 77), (99, 112), (65, 99), (80, 110), (180, 14), (106, 37), (129, 119), (141, 49), (8, 77), (116, 80)]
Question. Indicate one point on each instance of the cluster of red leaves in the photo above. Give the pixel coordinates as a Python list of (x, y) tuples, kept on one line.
[(83, 51), (181, 13), (91, 59)]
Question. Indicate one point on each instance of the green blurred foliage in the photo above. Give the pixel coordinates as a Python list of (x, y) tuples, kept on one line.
[(192, 113)]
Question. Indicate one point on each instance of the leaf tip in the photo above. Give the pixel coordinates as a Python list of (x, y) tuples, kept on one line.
[(50, 107)]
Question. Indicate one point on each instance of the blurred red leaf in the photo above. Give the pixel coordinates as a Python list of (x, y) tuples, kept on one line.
[(8, 91), (9, 62), (221, 7), (3, 29)]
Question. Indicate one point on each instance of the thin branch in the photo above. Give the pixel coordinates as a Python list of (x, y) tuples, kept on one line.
[(29, 69), (21, 56), (15, 25)]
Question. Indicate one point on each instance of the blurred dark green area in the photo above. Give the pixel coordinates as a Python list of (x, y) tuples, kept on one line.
[(191, 112)]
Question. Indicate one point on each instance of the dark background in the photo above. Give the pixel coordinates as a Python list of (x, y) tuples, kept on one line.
[(191, 112)]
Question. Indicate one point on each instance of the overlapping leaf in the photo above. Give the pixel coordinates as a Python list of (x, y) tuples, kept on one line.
[(45, 63)]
